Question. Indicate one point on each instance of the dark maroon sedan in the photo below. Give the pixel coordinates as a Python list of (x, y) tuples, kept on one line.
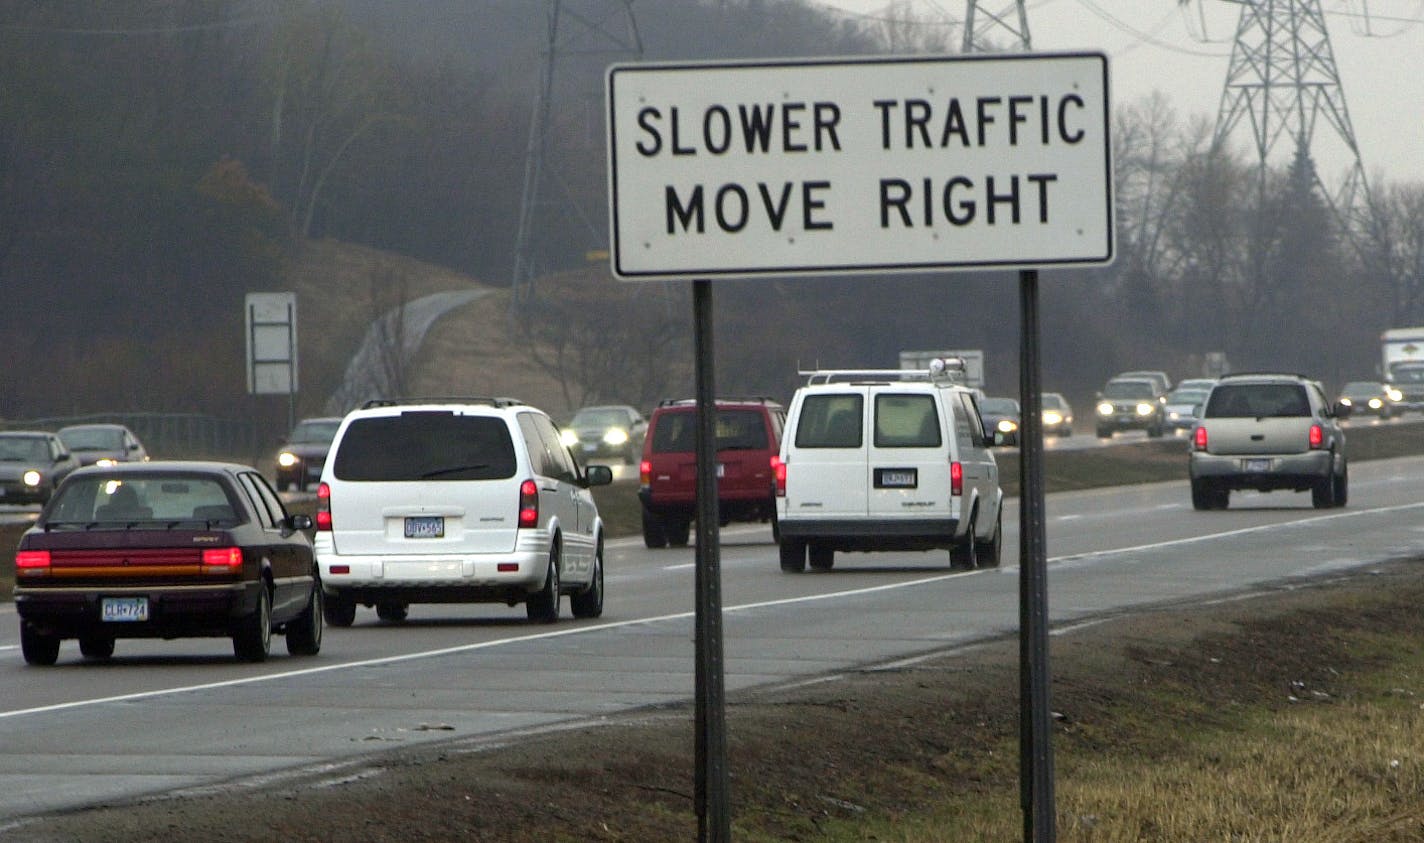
[(166, 550)]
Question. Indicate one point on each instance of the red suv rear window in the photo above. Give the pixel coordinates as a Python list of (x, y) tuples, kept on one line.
[(737, 430)]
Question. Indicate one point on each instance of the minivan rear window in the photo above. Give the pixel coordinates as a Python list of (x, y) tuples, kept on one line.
[(425, 446), (831, 421), (737, 430), (1257, 400)]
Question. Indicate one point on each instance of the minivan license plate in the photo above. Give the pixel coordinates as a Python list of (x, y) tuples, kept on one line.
[(425, 527), (896, 478), (123, 609)]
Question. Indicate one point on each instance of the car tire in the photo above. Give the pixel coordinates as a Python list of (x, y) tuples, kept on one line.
[(589, 602), (823, 557), (98, 647), (1341, 486), (543, 605), (793, 555), (654, 531), (305, 630), (1155, 431), (283, 485), (252, 642), (1201, 496), (775, 529), (1105, 433), (677, 532), (38, 648), (991, 552), (964, 556), (338, 610), (1322, 492), (1065, 432), (392, 612)]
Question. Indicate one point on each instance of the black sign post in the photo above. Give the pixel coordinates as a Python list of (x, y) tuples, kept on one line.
[(1035, 721), (711, 780)]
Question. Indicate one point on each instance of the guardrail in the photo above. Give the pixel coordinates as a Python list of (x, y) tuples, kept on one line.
[(173, 435)]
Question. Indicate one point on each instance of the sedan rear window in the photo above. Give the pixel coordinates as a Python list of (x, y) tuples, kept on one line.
[(115, 499), (1257, 400), (425, 446)]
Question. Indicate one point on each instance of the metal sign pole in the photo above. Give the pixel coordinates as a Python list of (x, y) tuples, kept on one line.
[(711, 785), (1035, 722)]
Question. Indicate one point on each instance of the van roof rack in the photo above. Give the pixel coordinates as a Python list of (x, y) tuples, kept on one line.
[(460, 399)]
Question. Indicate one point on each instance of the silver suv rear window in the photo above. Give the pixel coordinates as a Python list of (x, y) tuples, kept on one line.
[(1257, 400), (423, 445)]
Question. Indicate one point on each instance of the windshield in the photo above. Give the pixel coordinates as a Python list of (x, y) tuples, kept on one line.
[(1408, 374), (999, 407), (1052, 401), (1128, 389), (30, 449), (600, 417), (100, 499), (1363, 388), (93, 439), (315, 432), (1186, 396)]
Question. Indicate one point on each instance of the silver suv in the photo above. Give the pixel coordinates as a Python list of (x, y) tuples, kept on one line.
[(1268, 432), (887, 460), (457, 500)]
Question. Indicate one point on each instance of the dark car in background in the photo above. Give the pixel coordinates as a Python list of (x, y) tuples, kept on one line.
[(615, 430), (303, 453), (102, 444), (166, 550), (1365, 398), (1130, 404), (1000, 416), (748, 434), (32, 464)]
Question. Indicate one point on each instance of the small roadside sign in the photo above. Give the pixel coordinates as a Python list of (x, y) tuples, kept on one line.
[(859, 165)]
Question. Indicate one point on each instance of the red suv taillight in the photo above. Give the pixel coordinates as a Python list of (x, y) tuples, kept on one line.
[(528, 504), (323, 507), (222, 560), (1199, 439), (956, 479), (645, 472), (30, 563), (1317, 436), (778, 470)]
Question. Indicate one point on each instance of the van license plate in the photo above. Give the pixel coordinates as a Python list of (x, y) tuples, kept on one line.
[(123, 609), (896, 478), (425, 527), (1256, 466)]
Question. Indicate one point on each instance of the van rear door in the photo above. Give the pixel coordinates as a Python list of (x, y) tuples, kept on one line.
[(908, 457), (826, 465)]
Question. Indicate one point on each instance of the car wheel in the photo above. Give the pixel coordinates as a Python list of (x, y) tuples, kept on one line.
[(964, 556), (654, 531), (338, 610), (253, 640), (1105, 433), (589, 602), (392, 612), (822, 557), (38, 648), (1201, 496), (304, 631), (1341, 485), (543, 605), (1322, 492), (96, 646), (793, 555), (283, 485), (1155, 431), (991, 552), (775, 529), (677, 532)]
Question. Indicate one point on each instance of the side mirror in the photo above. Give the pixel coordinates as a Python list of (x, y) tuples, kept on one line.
[(63, 457), (598, 475), (1342, 410), (300, 521)]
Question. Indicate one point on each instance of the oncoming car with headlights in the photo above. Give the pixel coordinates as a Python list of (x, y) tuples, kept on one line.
[(1057, 414), (303, 453), (1129, 404), (1366, 398), (615, 430), (1001, 416), (32, 464)]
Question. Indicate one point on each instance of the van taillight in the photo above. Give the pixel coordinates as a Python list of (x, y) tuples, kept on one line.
[(778, 470), (323, 507), (528, 504), (956, 479), (645, 472), (222, 560), (1199, 439), (32, 562), (1317, 436)]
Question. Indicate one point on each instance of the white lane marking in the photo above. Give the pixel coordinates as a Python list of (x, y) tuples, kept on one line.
[(9, 646), (812, 598), (1067, 517)]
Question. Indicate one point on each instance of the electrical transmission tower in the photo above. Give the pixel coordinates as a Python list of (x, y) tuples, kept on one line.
[(1282, 82), (982, 24), (574, 28)]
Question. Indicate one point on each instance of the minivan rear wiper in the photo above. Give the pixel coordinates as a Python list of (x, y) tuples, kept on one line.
[(453, 470)]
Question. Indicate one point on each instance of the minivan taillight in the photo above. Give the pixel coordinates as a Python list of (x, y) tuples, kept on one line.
[(645, 472), (778, 470), (1199, 439), (31, 563), (323, 507), (528, 504), (1317, 436), (956, 479)]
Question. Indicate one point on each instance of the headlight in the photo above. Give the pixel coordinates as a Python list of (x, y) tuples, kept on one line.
[(1347, 402), (286, 459), (1007, 426), (1394, 394), (1375, 403), (1051, 417), (1145, 409), (32, 478), (569, 438), (615, 436), (1174, 415), (1105, 409), (106, 462)]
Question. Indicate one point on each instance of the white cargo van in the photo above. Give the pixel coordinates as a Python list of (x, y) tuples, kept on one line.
[(887, 460)]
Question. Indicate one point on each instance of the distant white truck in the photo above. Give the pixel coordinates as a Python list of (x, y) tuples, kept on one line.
[(1402, 365)]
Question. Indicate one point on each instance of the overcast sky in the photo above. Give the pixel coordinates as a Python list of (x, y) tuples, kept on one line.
[(1185, 51)]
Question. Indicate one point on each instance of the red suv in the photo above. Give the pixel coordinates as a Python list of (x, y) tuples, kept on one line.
[(748, 444)]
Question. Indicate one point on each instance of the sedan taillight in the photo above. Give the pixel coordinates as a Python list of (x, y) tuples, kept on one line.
[(222, 560), (32, 563)]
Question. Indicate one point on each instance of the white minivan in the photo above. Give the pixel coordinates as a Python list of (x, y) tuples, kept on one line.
[(887, 460), (456, 500)]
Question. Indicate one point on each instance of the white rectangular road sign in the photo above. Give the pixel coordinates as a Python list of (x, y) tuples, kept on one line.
[(271, 343), (859, 165)]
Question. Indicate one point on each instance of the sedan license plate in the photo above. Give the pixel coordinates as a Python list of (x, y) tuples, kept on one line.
[(425, 527), (123, 609), (1256, 466), (896, 478)]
